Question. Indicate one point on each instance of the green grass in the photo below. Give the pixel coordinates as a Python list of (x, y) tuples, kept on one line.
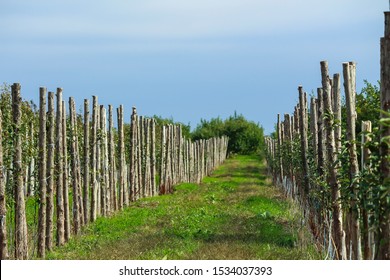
[(234, 214)]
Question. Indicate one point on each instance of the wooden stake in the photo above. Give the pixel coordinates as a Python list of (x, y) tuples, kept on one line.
[(50, 172), (42, 174), (21, 237), (59, 172), (3, 205), (354, 214)]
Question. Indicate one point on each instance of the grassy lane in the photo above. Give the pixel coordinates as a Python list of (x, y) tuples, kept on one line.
[(234, 214)]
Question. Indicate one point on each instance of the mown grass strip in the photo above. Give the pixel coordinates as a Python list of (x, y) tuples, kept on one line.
[(234, 214)]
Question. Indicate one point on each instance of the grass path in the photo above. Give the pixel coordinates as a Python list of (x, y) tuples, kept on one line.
[(234, 214)]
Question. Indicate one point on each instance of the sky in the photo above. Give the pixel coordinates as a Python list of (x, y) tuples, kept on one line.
[(187, 59)]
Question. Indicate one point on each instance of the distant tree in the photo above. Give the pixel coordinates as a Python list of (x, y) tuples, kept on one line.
[(245, 137)]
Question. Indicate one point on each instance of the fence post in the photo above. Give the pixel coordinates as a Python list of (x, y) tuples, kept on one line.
[(86, 162), (65, 174), (75, 179), (59, 172), (21, 247), (50, 173), (354, 212), (42, 174)]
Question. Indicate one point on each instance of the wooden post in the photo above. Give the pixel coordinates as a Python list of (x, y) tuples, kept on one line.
[(281, 175), (121, 157), (367, 232), (384, 220), (59, 172), (104, 162), (304, 143), (65, 174), (162, 163), (21, 238), (134, 194), (86, 182), (314, 128), (42, 174), (75, 179), (93, 158), (3, 205), (320, 125), (336, 99), (331, 160), (354, 212), (111, 159), (153, 157), (147, 180), (50, 172)]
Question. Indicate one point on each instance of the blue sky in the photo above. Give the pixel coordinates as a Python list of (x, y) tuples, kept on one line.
[(187, 59)]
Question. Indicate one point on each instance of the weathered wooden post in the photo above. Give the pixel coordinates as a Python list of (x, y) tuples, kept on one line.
[(42, 174), (59, 172), (354, 212), (65, 175), (367, 232), (384, 221), (75, 166), (50, 172), (121, 151), (105, 191), (3, 205), (304, 143), (21, 238), (86, 182), (153, 157), (111, 159), (331, 160), (93, 158)]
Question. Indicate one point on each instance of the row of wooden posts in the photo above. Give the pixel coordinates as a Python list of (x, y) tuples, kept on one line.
[(344, 226), (92, 179), (316, 134)]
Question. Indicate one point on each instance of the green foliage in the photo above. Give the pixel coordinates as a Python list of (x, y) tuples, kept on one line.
[(245, 137)]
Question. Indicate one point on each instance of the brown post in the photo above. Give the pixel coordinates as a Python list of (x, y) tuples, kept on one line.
[(331, 160), (354, 212), (367, 232), (93, 158), (65, 175), (3, 205), (86, 182), (21, 238), (304, 142), (75, 179), (59, 172), (42, 174), (50, 173)]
